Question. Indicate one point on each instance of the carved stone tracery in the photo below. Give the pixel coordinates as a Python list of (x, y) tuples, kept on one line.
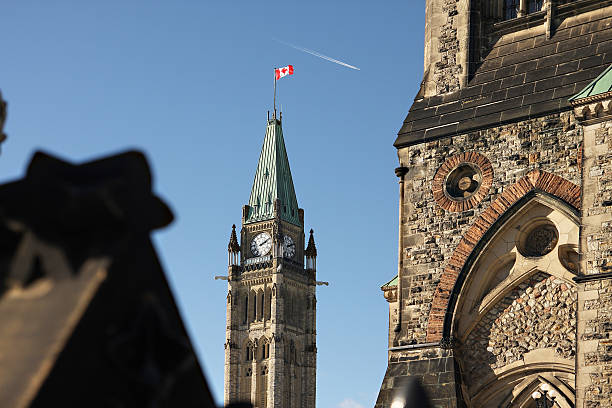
[(540, 240)]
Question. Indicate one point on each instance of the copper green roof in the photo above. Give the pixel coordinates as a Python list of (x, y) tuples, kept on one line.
[(392, 283), (273, 180), (598, 87)]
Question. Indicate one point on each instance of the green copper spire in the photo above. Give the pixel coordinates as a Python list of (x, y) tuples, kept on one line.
[(273, 180)]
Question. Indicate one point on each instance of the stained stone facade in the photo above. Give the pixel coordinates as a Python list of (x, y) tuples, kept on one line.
[(505, 178), (270, 349)]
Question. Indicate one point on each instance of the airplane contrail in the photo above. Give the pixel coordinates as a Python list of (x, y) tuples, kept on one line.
[(317, 54)]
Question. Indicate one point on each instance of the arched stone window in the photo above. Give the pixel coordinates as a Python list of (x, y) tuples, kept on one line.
[(252, 305), (268, 303), (246, 371), (246, 308), (535, 5), (511, 9), (515, 315), (262, 386), (289, 307), (496, 10), (260, 305), (264, 346)]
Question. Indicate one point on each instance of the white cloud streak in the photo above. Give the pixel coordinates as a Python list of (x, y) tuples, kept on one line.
[(349, 403), (317, 54)]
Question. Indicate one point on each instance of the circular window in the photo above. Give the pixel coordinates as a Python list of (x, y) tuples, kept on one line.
[(538, 240), (462, 181)]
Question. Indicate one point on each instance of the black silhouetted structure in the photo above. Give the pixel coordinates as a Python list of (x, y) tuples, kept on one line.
[(86, 313)]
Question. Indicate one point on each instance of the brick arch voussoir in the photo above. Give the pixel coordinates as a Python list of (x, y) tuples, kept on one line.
[(534, 180)]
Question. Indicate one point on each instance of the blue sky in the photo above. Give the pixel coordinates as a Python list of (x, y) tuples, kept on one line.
[(189, 83)]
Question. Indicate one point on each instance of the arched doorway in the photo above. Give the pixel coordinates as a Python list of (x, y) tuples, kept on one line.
[(514, 318)]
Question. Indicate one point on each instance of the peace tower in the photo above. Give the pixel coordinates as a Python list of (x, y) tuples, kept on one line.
[(270, 349)]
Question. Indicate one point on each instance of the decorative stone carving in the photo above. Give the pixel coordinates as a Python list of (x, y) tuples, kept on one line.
[(462, 181), (539, 240)]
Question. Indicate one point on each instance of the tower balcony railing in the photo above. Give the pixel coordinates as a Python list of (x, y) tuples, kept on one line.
[(260, 262), (257, 260)]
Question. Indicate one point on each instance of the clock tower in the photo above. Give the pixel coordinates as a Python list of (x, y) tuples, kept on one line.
[(270, 348)]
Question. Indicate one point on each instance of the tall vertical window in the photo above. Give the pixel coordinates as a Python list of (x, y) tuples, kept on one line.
[(246, 308), (535, 5), (511, 9)]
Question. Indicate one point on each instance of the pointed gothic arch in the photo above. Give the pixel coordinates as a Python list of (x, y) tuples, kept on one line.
[(535, 182), (259, 313), (512, 308)]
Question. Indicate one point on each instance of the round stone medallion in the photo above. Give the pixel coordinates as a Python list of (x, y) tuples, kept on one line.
[(462, 181), (539, 240)]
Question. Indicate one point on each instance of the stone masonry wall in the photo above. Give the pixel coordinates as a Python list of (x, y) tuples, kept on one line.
[(597, 356), (433, 367), (599, 198), (448, 69), (594, 374), (431, 234), (539, 313)]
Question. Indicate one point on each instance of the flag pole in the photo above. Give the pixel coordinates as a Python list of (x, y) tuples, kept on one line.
[(274, 93)]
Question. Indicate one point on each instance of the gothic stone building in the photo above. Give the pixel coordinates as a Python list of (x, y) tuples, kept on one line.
[(270, 349), (504, 287)]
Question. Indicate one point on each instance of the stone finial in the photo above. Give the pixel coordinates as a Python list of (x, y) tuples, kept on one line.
[(2, 118), (311, 249), (233, 242)]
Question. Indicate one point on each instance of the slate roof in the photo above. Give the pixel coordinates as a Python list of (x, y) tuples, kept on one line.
[(273, 180), (600, 86), (525, 75)]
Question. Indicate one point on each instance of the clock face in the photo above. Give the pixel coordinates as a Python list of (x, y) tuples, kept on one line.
[(261, 244), (288, 246)]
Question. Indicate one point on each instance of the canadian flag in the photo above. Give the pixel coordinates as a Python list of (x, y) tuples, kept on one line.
[(284, 71)]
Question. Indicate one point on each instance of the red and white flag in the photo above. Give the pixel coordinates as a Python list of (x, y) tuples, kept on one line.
[(284, 71)]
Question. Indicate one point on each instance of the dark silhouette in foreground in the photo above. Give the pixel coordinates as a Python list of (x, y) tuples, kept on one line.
[(88, 318)]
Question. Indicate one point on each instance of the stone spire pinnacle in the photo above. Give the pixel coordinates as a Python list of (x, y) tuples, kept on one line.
[(233, 242), (311, 249), (273, 181)]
